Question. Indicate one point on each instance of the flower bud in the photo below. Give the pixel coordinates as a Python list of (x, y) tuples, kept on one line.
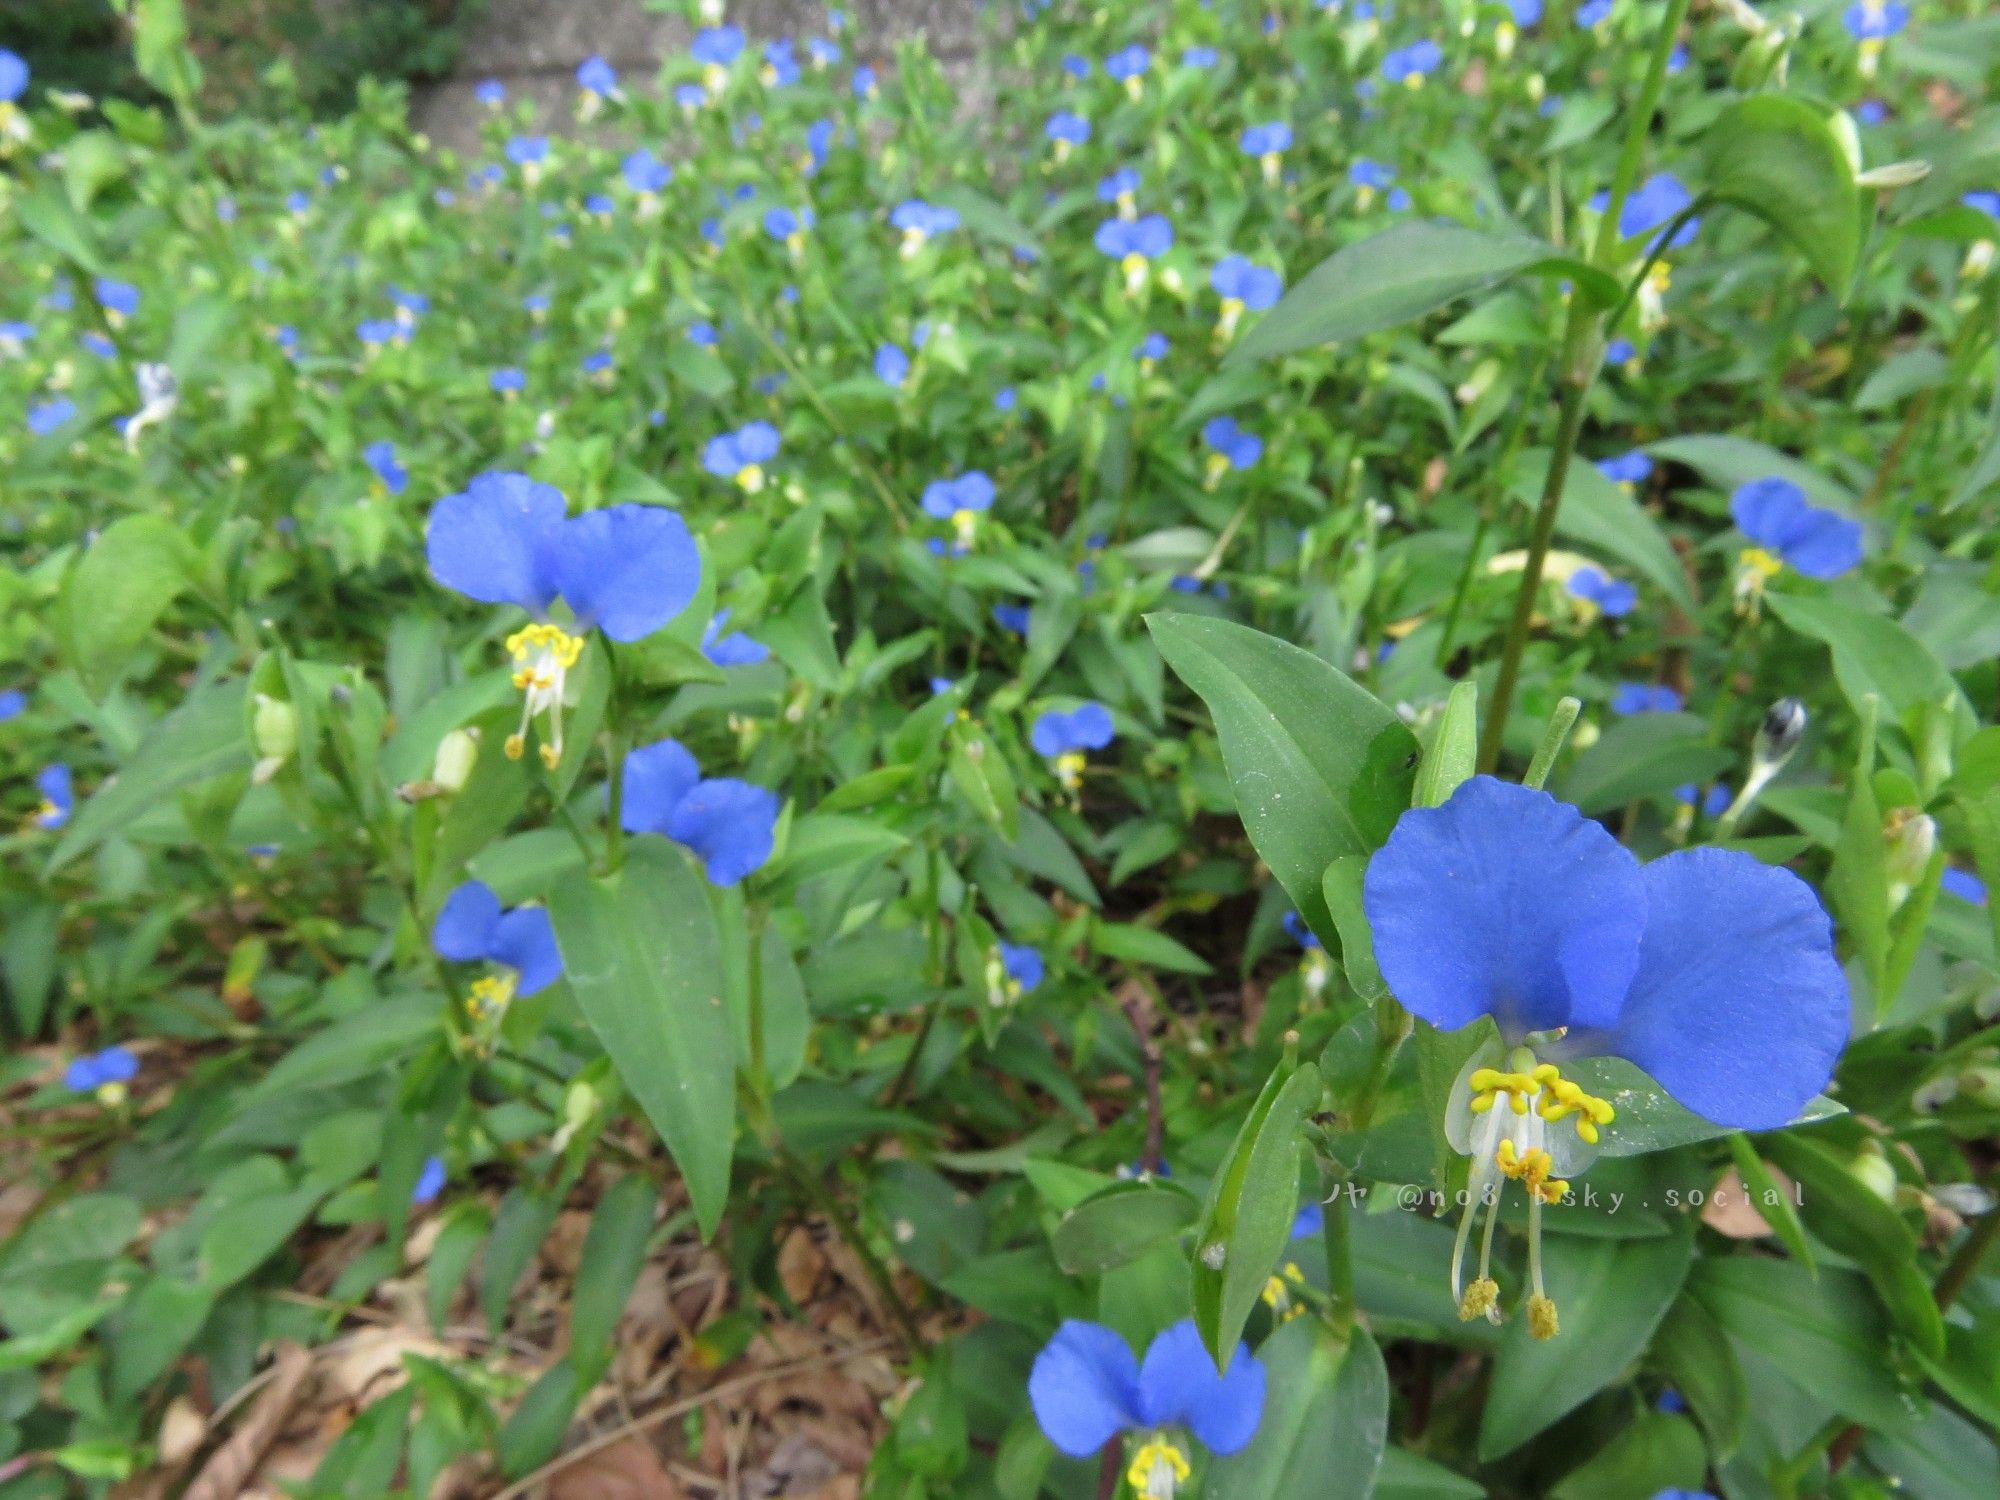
[(1911, 840), (1871, 1169), (274, 733), (1779, 735), (457, 754), (1895, 175)]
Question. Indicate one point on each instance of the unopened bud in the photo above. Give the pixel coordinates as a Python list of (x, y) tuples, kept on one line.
[(1911, 837), (1779, 735), (274, 732), (1895, 175), (457, 754), (1872, 1170)]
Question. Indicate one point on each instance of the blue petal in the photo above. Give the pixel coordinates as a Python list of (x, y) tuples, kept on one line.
[(55, 783), (1023, 964), (525, 941), (1090, 726), (1823, 543), (1050, 736), (657, 777), (80, 1077), (1084, 1388), (464, 929), (116, 1065), (1310, 1220), (1739, 1008), (1508, 903), (627, 569), (1179, 1383), (492, 541), (729, 823), (430, 1181)]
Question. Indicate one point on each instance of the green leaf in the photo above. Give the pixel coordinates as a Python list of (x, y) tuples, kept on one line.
[(980, 773), (119, 588), (985, 217), (640, 950), (1649, 1118), (249, 1231), (1409, 1476), (1610, 1295), (1727, 462), (1656, 1453), (613, 1252), (465, 1227), (1386, 279), (1143, 947), (48, 216), (1871, 654), (1646, 755), (1454, 748), (1695, 1354), (1326, 1419), (200, 740), (535, 1431), (1120, 1224), (523, 1222), (1779, 158), (1598, 514), (1320, 767), (1852, 1219), (1342, 889), (1247, 1220)]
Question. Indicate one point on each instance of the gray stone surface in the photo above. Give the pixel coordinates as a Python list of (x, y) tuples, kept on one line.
[(534, 46)]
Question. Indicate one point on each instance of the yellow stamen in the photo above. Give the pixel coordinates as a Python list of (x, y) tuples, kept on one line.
[(490, 996), (1479, 1299), (1542, 1320), (1157, 1468), (1069, 769)]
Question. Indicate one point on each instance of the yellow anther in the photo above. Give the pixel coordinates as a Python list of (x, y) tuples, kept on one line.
[(1069, 769), (551, 756), (489, 996), (1488, 1084), (1759, 564), (538, 647), (1157, 1468), (1479, 1299), (1660, 278), (1542, 1322), (516, 745)]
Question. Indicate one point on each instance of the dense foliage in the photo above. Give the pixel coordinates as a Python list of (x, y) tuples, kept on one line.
[(1314, 694)]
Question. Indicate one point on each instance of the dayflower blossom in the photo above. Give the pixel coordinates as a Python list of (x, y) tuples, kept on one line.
[(104, 1073), (1122, 189), (13, 703), (1011, 972), (1200, 57), (742, 454), (781, 68), (892, 365), (921, 222), (728, 824), (1713, 803), (1787, 530), (1243, 286), (731, 648), (1410, 65), (1709, 970), (715, 48), (58, 796), (1612, 597), (1630, 698), (1087, 1389), (1627, 470), (786, 227), (1135, 244), (508, 380), (1871, 23), (430, 1182), (645, 173), (1230, 447), (1650, 209), (46, 416), (490, 92), (381, 457), (1128, 66), (625, 570), (528, 152), (472, 928), (960, 500), (1268, 143), (1012, 617), (1314, 968), (1064, 739), (1964, 884)]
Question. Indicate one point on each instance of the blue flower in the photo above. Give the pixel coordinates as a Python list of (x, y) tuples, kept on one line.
[(1076, 65), (1644, 698), (645, 173), (1230, 446), (1984, 201), (1526, 13), (13, 703), (1266, 140), (596, 76), (381, 457), (1651, 206), (472, 928), (1309, 1221), (1135, 244), (1064, 738), (430, 1182), (703, 334), (98, 344), (1875, 20), (508, 380), (1013, 972), (490, 92), (1301, 934), (742, 454), (1613, 597), (690, 96), (1871, 112), (1620, 352), (864, 82), (58, 796), (1119, 186), (1965, 885), (1128, 65), (718, 46), (1364, 173), (1012, 617), (117, 297), (819, 136), (1627, 468), (783, 225), (1005, 398), (112, 1068), (1200, 57), (1775, 514), (13, 76), (921, 221), (824, 53), (528, 150), (1236, 279), (733, 649), (1066, 128), (45, 417), (1708, 969), (1409, 65), (892, 365), (1713, 803), (1594, 13), (727, 823), (625, 570), (1153, 346), (1087, 1388)]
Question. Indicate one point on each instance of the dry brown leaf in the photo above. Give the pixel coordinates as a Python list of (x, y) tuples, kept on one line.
[(1731, 1211), (182, 1428), (628, 1470), (800, 1265), (225, 1476)]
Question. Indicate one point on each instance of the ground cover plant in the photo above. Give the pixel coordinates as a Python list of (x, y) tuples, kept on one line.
[(1263, 775)]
